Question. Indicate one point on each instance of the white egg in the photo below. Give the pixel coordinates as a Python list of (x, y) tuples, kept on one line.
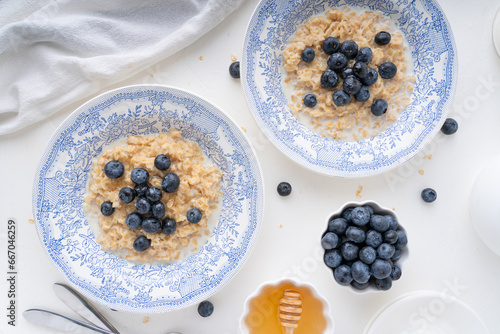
[(484, 205)]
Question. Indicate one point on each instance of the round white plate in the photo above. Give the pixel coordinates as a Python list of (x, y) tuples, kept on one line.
[(426, 312), (60, 185), (434, 55)]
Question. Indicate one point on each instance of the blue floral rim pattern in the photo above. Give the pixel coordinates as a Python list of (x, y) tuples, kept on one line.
[(60, 186), (433, 52)]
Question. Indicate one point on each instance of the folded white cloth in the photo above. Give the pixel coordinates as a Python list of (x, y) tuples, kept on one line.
[(53, 53)]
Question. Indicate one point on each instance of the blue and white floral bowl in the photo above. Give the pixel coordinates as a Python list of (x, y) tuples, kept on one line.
[(434, 57), (60, 186)]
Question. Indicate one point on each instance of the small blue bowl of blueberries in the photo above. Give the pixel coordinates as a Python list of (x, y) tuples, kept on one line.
[(365, 247)]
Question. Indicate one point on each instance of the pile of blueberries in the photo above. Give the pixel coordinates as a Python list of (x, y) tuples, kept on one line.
[(149, 209), (357, 78), (362, 248)]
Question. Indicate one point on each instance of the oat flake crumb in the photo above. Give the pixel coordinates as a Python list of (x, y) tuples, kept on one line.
[(201, 57), (244, 129), (145, 320), (358, 192), (233, 57), (31, 221), (421, 172)]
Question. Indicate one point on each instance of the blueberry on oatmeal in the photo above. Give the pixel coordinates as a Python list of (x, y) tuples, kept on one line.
[(162, 162), (346, 72), (341, 98), (194, 216), (360, 70), (363, 95), (114, 169), (284, 189), (126, 195), (141, 243), (107, 208), (307, 55), (158, 210), (139, 176), (352, 85), (349, 49), (379, 107), (153, 194), (337, 62), (331, 45), (168, 226), (134, 220), (387, 70), (170, 182), (140, 189), (234, 69), (151, 225), (329, 79), (383, 38), (143, 206), (310, 100), (364, 55), (371, 77)]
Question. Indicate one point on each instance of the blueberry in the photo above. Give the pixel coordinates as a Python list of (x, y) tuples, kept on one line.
[(397, 254), (382, 38), (360, 216), (368, 254), (370, 209), (307, 55), (346, 72), (347, 214), (332, 258), (205, 308), (310, 100), (337, 62), (370, 78), (381, 269), (331, 45), (387, 70), (153, 194), (126, 195), (402, 240), (365, 55), (379, 223), (114, 169), (107, 208), (393, 223), (139, 176), (379, 107), (351, 85), (343, 275), (234, 69), (162, 162), (385, 251), (360, 272), (349, 251), (341, 98), (194, 216), (158, 210), (360, 69), (360, 286), (395, 273), (429, 195), (363, 95), (140, 189), (373, 239), (134, 220), (329, 79), (284, 189), (151, 225), (383, 284), (330, 241), (170, 182), (142, 243), (391, 237), (337, 225), (168, 226), (143, 206), (449, 127), (349, 49), (355, 234)]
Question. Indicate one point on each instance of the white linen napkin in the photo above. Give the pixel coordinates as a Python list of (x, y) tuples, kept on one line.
[(53, 52)]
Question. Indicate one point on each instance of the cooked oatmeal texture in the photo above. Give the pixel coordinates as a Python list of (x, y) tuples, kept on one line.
[(199, 188), (353, 121)]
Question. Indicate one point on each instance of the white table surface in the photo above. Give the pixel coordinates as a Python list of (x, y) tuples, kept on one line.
[(444, 248)]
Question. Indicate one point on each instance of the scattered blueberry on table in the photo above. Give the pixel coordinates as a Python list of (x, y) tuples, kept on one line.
[(449, 127), (429, 195), (284, 189), (234, 69), (205, 308)]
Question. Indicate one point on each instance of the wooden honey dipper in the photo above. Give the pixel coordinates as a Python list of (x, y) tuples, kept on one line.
[(290, 309)]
